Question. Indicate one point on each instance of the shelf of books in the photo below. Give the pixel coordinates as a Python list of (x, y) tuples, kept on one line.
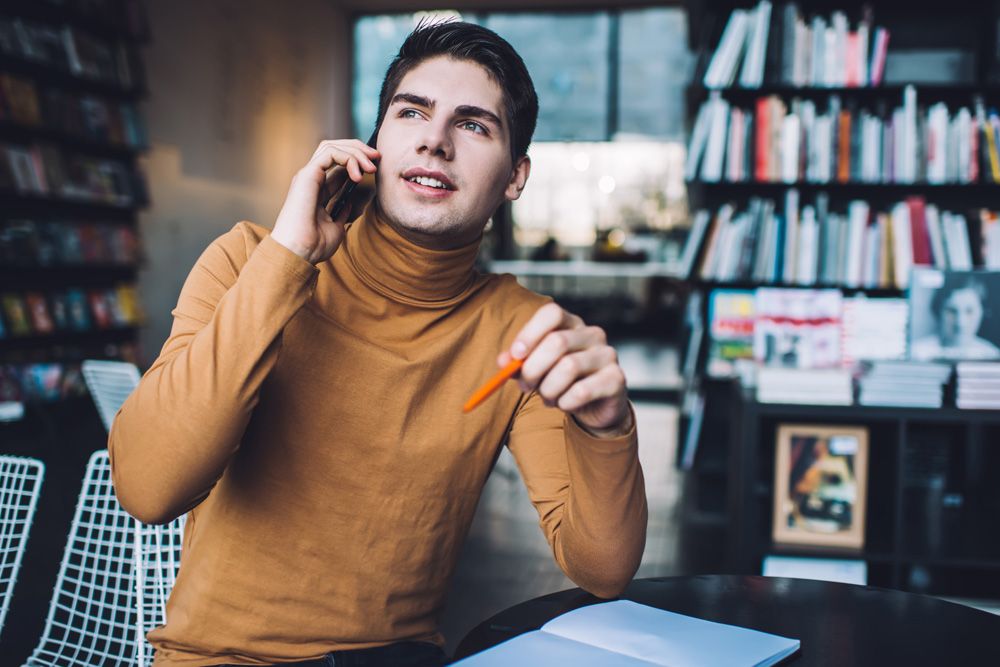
[(71, 130), (844, 178)]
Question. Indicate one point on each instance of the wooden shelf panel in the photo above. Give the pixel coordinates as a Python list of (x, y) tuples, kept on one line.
[(750, 284), (20, 204), (20, 278), (82, 338), (977, 194), (958, 94), (46, 12), (66, 80), (28, 134)]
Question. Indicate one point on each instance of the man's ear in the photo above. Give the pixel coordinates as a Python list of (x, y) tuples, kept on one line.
[(518, 178)]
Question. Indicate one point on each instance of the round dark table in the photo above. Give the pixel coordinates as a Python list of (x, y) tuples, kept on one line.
[(838, 624)]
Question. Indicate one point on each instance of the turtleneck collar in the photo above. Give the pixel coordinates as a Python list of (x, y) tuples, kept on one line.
[(401, 270)]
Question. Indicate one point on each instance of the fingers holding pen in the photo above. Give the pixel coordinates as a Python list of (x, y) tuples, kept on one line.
[(551, 335), (561, 357)]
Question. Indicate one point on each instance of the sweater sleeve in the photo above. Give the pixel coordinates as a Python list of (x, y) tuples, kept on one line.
[(176, 433), (589, 493)]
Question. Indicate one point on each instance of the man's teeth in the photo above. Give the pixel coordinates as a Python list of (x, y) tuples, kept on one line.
[(429, 182)]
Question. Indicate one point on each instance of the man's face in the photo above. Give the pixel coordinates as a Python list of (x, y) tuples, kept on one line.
[(445, 154), (960, 317)]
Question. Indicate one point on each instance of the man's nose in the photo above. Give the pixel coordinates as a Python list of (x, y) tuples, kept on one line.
[(436, 141)]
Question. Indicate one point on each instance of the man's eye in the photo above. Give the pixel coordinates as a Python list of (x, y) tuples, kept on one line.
[(409, 113), (475, 127)]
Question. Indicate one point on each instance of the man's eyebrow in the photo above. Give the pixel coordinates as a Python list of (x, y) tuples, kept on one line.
[(410, 98), (478, 112)]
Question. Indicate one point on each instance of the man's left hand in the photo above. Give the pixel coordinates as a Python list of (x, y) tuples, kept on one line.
[(572, 367)]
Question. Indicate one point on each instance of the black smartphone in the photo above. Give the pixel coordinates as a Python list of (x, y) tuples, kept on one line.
[(355, 193)]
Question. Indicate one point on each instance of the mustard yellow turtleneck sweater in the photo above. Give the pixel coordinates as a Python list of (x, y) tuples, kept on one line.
[(309, 421)]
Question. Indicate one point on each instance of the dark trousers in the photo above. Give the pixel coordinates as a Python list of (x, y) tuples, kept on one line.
[(400, 654)]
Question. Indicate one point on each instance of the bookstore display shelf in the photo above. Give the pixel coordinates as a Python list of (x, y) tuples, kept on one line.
[(82, 338), (72, 134), (751, 285), (584, 269), (66, 80), (110, 27), (15, 203), (731, 474), (702, 12), (20, 133), (953, 93), (14, 277), (945, 414), (897, 537), (974, 193)]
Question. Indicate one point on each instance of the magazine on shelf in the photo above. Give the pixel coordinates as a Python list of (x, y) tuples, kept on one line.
[(955, 315), (731, 320), (874, 328), (59, 310), (798, 328), (38, 310), (78, 309)]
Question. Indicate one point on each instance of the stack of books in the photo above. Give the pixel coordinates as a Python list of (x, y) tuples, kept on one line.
[(904, 384), (978, 385), (805, 386)]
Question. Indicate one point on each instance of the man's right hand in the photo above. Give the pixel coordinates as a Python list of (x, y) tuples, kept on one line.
[(304, 225)]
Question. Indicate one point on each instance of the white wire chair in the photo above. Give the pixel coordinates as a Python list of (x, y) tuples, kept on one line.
[(158, 557), (156, 550), (110, 383), (113, 583), (92, 617), (20, 485)]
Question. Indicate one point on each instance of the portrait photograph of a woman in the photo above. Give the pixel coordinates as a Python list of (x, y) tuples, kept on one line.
[(951, 315)]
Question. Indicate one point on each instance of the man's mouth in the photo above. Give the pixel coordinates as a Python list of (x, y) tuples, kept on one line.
[(426, 181), (429, 182)]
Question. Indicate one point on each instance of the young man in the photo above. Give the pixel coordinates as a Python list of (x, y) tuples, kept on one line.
[(306, 410)]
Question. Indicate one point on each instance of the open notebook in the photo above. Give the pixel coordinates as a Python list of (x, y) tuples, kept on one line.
[(627, 634)]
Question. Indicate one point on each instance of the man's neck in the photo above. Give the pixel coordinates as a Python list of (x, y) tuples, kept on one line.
[(431, 241)]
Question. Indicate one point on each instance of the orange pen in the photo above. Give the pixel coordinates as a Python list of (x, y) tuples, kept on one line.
[(494, 383)]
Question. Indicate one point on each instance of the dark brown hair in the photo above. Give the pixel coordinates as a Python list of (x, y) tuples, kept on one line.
[(467, 41)]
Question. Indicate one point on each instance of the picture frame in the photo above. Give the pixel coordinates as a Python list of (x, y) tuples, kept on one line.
[(820, 485)]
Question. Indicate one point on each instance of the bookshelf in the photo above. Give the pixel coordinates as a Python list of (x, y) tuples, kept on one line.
[(723, 492), (71, 135), (911, 542), (77, 234)]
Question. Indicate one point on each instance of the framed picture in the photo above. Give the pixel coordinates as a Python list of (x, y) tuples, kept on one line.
[(820, 485)]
